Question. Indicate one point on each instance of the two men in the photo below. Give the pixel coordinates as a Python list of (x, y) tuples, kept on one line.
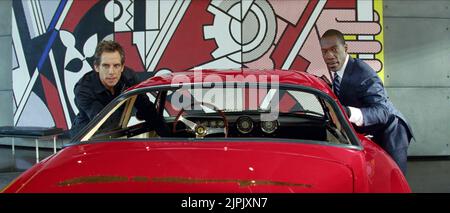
[(110, 78), (356, 85), (361, 92)]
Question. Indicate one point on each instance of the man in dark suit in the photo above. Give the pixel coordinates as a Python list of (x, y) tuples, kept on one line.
[(361, 92)]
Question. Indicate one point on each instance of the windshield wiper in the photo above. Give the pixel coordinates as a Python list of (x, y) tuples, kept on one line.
[(307, 112)]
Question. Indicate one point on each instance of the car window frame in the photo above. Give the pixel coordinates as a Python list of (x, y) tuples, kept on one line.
[(351, 134)]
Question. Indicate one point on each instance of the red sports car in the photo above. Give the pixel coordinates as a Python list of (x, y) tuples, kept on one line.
[(230, 131)]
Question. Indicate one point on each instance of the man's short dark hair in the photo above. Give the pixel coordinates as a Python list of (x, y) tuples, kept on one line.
[(108, 46), (333, 32)]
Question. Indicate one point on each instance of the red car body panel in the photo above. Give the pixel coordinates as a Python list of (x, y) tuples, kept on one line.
[(217, 166), (212, 167)]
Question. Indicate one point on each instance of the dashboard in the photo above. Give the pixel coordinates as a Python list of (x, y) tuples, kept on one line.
[(251, 125)]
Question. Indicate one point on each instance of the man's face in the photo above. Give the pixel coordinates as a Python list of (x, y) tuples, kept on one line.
[(110, 69), (333, 52)]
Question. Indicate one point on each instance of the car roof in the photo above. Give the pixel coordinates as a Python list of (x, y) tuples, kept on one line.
[(285, 77)]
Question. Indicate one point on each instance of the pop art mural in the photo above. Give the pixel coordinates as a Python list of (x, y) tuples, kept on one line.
[(54, 41)]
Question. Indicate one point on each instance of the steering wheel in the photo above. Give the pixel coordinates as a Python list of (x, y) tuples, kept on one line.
[(199, 130)]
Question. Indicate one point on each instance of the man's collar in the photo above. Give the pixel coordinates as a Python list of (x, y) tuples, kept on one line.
[(98, 86), (341, 71)]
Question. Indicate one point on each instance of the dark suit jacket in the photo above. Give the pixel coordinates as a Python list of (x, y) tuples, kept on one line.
[(362, 88)]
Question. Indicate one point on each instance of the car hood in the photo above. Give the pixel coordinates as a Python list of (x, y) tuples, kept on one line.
[(192, 167)]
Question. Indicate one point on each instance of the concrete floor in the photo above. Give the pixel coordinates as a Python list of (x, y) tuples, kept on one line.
[(425, 175), (429, 175)]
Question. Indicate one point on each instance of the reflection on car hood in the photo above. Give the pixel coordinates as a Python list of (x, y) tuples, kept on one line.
[(194, 167)]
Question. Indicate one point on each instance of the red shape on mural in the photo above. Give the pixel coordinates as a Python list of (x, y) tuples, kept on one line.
[(340, 4), (187, 48), (53, 103), (132, 58), (290, 36), (300, 64), (287, 102), (76, 13)]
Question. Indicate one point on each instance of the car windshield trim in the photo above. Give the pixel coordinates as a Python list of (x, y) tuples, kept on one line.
[(220, 140), (345, 125), (308, 112)]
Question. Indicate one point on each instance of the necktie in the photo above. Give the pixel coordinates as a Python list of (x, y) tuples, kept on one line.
[(337, 84)]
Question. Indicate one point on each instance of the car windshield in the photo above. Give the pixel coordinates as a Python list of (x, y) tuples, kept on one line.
[(242, 100), (226, 112)]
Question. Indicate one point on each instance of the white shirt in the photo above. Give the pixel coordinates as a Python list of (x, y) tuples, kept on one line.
[(356, 116), (341, 71)]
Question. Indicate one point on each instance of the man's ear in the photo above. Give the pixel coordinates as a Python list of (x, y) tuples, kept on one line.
[(345, 47), (96, 68)]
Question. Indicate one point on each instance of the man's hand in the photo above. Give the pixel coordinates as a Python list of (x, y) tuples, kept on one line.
[(355, 115)]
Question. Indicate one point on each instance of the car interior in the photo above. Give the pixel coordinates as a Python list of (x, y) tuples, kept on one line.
[(239, 112)]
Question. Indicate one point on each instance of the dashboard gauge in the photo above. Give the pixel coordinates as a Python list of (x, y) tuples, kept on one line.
[(221, 124), (213, 124), (204, 123), (269, 127), (244, 124)]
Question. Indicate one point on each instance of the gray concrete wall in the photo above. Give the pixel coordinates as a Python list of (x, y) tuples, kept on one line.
[(417, 70), (6, 94)]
